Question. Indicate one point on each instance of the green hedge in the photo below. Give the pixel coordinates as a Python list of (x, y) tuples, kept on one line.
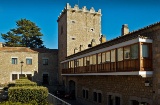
[(25, 84), (19, 103), (23, 78), (15, 103), (26, 94)]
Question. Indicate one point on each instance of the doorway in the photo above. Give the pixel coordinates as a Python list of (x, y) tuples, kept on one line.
[(45, 79), (72, 89)]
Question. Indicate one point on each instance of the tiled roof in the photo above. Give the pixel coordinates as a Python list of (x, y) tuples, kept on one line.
[(25, 49), (44, 50), (16, 49)]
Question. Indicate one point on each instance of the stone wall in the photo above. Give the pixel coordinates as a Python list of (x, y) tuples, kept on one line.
[(156, 66), (51, 69), (127, 87), (36, 69), (7, 68)]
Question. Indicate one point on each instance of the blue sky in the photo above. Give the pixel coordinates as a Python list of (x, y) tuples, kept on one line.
[(136, 13)]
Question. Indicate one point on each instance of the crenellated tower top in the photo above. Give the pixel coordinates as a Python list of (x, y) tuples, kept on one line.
[(77, 9)]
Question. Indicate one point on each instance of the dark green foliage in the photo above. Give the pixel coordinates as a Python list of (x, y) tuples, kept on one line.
[(11, 84), (19, 103), (23, 78), (27, 94), (24, 82), (26, 34)]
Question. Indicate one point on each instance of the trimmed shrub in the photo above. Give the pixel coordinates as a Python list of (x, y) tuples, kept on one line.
[(17, 103), (23, 78), (28, 94), (25, 84)]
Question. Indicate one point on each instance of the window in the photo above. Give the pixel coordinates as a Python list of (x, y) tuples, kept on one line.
[(29, 76), (145, 51), (29, 61), (134, 102), (45, 61), (117, 100), (99, 58), (94, 96), (81, 62), (99, 97), (120, 54), (110, 100), (85, 93), (112, 55), (72, 64), (127, 52), (107, 56), (14, 60), (14, 76), (134, 51), (73, 38), (103, 57), (73, 21), (87, 61), (92, 29), (84, 61), (93, 59), (113, 99), (65, 65), (76, 63)]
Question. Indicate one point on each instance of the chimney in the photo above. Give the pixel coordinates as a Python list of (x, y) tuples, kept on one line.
[(125, 29), (80, 47), (102, 39), (75, 50), (93, 43)]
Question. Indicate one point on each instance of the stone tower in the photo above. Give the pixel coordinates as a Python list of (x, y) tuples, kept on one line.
[(76, 29)]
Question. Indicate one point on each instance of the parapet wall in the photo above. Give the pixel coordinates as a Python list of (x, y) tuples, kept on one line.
[(77, 9)]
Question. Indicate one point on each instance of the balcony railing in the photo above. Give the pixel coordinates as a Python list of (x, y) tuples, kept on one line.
[(120, 66), (53, 100)]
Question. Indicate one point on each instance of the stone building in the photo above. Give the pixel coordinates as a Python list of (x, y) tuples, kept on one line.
[(122, 71), (39, 65), (77, 30)]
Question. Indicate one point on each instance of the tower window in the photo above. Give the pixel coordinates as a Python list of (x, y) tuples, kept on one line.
[(73, 38), (92, 29), (73, 21)]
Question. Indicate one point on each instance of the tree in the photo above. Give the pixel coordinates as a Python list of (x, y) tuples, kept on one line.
[(26, 34)]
